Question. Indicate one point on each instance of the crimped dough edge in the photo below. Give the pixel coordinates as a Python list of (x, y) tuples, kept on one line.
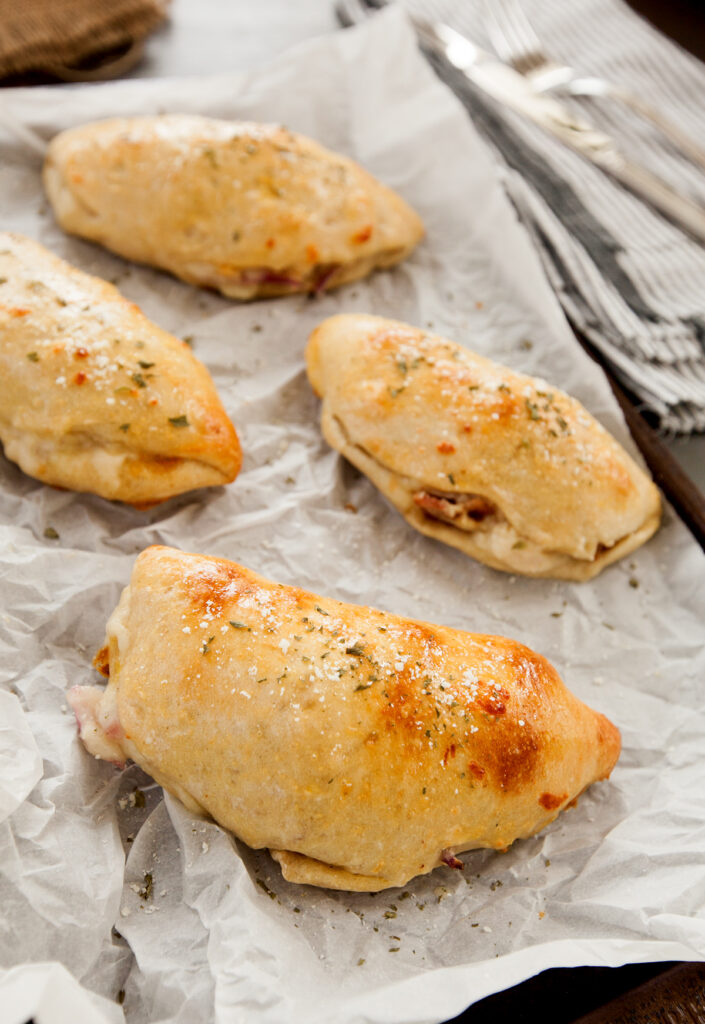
[(557, 565)]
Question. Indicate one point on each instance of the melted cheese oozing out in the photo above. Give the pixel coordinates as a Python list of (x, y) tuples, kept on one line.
[(503, 541), (117, 624), (32, 454), (98, 725)]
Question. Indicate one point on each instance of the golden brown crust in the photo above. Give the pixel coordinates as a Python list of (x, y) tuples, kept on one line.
[(95, 397), (364, 748), (431, 423), (252, 210)]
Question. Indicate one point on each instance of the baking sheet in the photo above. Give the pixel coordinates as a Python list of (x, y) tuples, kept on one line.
[(136, 897)]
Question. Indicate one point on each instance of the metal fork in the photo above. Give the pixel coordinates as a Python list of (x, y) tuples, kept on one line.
[(518, 45)]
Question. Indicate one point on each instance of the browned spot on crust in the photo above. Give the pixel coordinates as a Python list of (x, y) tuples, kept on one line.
[(410, 716), (386, 338), (445, 447), (505, 406), (143, 506), (404, 706), (151, 465), (608, 735), (494, 701), (80, 353), (534, 678), (220, 584), (363, 235), (516, 762), (551, 802), (102, 661), (477, 770), (80, 378), (448, 753), (423, 639), (510, 754), (505, 751)]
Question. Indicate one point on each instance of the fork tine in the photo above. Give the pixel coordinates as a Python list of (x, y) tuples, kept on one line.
[(501, 32), (510, 31), (523, 31)]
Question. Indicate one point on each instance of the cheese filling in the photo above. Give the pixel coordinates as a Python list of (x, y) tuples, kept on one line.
[(469, 513)]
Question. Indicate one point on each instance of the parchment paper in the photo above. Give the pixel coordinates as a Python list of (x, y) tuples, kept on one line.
[(210, 931)]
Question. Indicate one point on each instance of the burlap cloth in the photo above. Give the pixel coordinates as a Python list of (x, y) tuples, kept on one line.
[(75, 40)]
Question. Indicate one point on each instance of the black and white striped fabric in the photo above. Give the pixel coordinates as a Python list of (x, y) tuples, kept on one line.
[(627, 278)]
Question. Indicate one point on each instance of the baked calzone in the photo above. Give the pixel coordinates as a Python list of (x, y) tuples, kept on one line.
[(361, 748), (95, 397), (505, 467), (250, 209)]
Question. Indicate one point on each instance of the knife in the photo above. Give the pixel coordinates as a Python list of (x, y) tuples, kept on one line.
[(508, 87)]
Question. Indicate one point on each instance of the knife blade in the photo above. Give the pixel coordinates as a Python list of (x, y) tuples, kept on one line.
[(508, 87)]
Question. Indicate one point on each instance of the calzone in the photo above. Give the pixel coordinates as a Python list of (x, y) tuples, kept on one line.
[(250, 209), (505, 467), (361, 748), (95, 397)]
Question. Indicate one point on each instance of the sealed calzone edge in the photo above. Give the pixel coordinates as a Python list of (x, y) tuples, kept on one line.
[(94, 396), (505, 467), (250, 209), (361, 748)]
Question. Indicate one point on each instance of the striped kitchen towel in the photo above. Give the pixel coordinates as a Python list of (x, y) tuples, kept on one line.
[(628, 279)]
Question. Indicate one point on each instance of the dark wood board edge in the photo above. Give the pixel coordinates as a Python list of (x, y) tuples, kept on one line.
[(560, 995), (681, 989), (669, 475)]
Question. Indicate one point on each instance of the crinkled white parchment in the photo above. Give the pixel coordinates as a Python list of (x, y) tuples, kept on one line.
[(20, 760), (210, 931)]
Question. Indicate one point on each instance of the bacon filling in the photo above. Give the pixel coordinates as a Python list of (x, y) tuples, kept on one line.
[(319, 278), (466, 511), (448, 857)]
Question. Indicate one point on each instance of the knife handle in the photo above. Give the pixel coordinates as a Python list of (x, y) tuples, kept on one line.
[(683, 142), (688, 215)]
